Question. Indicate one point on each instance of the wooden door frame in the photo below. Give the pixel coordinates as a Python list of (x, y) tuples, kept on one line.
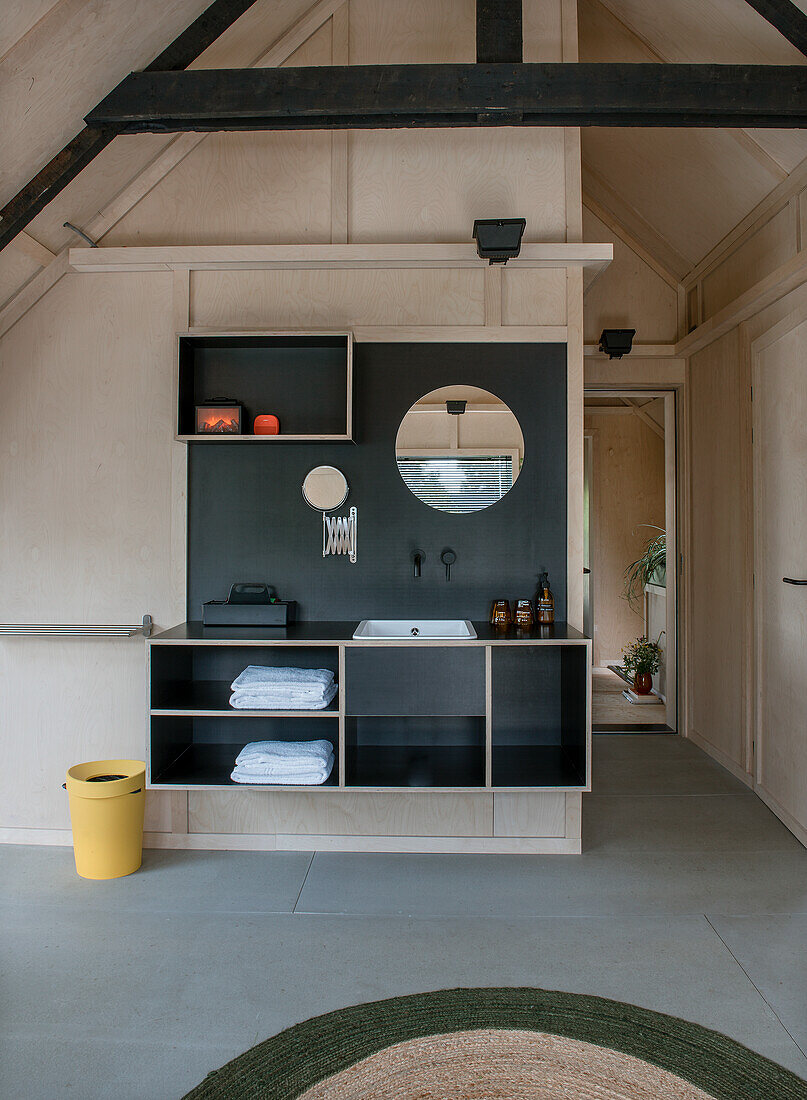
[(588, 484), (672, 510)]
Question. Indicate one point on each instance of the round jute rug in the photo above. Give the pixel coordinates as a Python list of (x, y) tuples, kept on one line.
[(499, 1044)]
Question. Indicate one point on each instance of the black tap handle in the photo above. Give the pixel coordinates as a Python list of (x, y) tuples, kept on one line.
[(448, 557)]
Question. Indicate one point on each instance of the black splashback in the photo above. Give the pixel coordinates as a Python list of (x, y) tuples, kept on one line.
[(247, 520)]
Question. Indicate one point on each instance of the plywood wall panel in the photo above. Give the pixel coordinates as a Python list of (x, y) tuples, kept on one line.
[(779, 365), (542, 28), (770, 246), (15, 270), (533, 296), (239, 188), (541, 814), (341, 813), (19, 19), (628, 293), (386, 32), (634, 372), (86, 452), (787, 147), (717, 608), (66, 65), (243, 188), (81, 50), (430, 185), (701, 183), (718, 31), (627, 494), (322, 299), (117, 164)]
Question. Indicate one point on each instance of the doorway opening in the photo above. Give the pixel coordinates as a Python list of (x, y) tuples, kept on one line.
[(630, 552)]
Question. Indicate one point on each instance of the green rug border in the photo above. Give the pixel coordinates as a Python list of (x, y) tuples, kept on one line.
[(284, 1066)]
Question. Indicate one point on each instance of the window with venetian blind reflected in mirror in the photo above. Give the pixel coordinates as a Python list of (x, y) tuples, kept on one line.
[(459, 449)]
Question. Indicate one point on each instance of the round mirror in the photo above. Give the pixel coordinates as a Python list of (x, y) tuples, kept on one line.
[(459, 449), (325, 488)]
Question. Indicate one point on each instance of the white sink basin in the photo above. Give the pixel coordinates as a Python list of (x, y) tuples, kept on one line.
[(414, 628)]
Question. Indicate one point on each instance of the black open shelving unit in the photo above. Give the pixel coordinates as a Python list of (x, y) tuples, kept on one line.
[(497, 714)]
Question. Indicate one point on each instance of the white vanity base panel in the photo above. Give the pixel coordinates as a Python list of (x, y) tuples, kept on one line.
[(540, 823)]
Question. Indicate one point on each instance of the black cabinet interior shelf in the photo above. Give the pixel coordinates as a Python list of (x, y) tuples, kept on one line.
[(536, 766), (200, 750), (304, 380), (199, 677), (202, 764), (214, 695), (406, 751), (415, 766)]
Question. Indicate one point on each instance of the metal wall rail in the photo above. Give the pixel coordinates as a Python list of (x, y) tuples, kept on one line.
[(20, 630)]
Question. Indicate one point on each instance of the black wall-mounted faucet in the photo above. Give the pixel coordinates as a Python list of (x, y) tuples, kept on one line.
[(418, 558)]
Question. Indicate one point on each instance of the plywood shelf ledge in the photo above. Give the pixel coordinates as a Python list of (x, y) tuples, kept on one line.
[(328, 256), (638, 351)]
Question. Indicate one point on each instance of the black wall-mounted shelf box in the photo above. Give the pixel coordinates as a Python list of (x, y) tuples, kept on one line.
[(305, 379)]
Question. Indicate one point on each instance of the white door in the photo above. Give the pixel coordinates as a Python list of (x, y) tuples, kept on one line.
[(780, 557)]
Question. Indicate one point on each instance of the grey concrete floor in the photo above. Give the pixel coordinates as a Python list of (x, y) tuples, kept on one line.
[(690, 898)]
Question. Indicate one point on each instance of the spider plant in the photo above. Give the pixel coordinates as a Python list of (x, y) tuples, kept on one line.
[(647, 569)]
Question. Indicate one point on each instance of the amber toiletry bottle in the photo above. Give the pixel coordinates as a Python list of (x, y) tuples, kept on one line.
[(544, 602)]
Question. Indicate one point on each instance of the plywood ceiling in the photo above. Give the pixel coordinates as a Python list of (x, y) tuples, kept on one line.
[(688, 188)]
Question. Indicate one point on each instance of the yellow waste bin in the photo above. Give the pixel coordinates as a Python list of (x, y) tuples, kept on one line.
[(107, 802)]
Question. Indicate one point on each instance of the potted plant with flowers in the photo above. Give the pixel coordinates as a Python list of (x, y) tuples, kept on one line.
[(640, 660)]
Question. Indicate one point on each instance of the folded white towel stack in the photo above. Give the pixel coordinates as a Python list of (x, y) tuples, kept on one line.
[(262, 688), (293, 763)]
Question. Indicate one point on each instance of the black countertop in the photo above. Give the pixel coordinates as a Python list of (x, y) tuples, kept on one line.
[(334, 633)]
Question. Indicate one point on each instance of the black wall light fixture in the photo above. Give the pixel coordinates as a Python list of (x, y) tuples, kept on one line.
[(456, 408), (616, 342), (498, 239)]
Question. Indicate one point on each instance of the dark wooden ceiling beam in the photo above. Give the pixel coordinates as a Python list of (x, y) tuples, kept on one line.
[(498, 31), (787, 18), (85, 146), (383, 97)]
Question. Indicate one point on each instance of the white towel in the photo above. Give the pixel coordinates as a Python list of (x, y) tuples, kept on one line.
[(314, 775), (306, 679), (283, 775), (277, 699), (275, 752)]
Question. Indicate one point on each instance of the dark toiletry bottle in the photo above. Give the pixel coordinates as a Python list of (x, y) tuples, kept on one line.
[(544, 602)]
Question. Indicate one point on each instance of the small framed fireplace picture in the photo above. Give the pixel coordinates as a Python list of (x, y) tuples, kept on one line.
[(222, 416)]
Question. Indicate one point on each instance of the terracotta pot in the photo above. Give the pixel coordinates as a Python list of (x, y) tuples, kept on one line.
[(642, 683)]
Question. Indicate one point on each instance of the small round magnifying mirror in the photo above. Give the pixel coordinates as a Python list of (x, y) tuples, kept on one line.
[(325, 488)]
